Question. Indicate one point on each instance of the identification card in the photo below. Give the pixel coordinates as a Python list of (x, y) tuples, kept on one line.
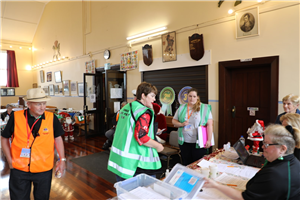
[(188, 128), (25, 153)]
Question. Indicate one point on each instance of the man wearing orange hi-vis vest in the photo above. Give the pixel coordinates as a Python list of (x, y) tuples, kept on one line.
[(34, 132)]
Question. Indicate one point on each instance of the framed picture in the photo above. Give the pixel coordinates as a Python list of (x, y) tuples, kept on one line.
[(90, 66), (3, 92), (57, 76), (66, 88), (46, 89), (81, 90), (169, 47), (10, 91), (49, 76), (247, 23), (51, 90), (74, 88), (42, 76), (56, 89)]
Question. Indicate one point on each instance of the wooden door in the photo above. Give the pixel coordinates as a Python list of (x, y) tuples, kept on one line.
[(244, 86)]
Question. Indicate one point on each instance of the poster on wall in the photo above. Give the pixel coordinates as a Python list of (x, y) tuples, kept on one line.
[(90, 66), (129, 61), (247, 23)]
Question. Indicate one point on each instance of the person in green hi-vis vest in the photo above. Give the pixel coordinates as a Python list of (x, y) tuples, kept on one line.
[(188, 118), (134, 149)]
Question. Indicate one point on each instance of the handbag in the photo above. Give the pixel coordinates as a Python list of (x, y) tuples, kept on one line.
[(202, 137)]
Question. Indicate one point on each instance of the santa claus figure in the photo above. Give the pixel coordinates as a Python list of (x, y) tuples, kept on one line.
[(255, 133), (68, 126)]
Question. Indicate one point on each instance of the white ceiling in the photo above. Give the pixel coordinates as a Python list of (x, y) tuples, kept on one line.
[(20, 19)]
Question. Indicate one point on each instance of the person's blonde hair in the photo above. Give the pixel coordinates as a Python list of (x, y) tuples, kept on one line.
[(280, 135), (295, 99), (293, 119), (196, 106)]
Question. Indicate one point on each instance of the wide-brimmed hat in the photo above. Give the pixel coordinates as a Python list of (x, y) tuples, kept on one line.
[(36, 95), (134, 92)]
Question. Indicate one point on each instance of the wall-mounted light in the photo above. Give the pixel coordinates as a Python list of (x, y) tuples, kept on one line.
[(146, 33), (41, 65), (230, 11)]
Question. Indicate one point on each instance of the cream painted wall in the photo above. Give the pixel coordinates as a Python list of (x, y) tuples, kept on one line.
[(112, 22)]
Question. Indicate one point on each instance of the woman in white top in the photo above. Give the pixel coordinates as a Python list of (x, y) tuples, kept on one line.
[(188, 118)]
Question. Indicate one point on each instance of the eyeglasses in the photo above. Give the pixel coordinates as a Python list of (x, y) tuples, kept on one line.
[(267, 145)]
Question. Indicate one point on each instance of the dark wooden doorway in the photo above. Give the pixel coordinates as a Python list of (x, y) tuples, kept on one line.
[(244, 86)]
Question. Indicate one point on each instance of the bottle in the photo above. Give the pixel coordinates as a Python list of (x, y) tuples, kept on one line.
[(242, 139), (167, 173)]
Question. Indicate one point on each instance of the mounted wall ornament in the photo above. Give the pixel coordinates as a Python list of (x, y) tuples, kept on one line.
[(147, 54), (196, 46), (56, 49)]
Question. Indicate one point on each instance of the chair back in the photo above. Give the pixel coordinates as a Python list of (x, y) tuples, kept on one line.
[(173, 139)]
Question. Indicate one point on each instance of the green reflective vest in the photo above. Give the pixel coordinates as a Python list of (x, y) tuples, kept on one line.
[(126, 154), (204, 114)]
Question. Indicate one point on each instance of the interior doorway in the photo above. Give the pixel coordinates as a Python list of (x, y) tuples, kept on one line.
[(247, 91), (114, 93)]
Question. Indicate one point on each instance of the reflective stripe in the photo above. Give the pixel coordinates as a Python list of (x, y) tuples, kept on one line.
[(203, 114), (139, 110), (135, 156), (181, 138), (129, 135), (121, 169)]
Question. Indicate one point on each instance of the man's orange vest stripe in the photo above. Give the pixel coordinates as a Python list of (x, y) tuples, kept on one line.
[(42, 150)]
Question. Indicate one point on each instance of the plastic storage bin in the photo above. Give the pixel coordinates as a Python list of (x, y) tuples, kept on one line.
[(187, 179), (145, 180)]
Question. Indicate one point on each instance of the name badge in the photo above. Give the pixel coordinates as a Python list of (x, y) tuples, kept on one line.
[(188, 127), (25, 153)]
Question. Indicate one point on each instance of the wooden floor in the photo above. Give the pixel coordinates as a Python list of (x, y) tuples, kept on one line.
[(78, 183)]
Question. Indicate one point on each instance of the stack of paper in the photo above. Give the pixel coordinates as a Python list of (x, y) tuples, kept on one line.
[(142, 193)]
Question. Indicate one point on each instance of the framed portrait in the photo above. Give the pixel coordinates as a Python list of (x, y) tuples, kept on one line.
[(51, 90), (3, 92), (169, 47), (10, 91), (46, 89), (42, 76), (56, 89), (49, 76), (66, 85), (247, 23), (74, 88), (57, 76)]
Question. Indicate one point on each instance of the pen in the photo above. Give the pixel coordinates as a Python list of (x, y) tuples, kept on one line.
[(231, 185)]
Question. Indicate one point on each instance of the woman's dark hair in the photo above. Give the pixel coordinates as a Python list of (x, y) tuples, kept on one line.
[(145, 88)]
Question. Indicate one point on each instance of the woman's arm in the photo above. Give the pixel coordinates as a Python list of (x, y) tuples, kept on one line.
[(179, 124), (228, 191), (209, 126)]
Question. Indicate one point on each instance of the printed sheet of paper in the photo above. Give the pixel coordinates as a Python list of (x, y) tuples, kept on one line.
[(211, 193), (232, 180)]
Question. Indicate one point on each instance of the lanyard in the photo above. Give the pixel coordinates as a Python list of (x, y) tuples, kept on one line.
[(28, 133), (188, 112)]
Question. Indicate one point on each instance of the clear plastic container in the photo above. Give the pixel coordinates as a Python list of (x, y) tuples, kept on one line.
[(145, 180), (189, 180)]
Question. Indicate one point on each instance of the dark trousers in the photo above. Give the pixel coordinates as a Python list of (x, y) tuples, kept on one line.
[(190, 153), (20, 185)]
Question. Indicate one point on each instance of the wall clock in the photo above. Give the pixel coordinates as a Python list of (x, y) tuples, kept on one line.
[(106, 54)]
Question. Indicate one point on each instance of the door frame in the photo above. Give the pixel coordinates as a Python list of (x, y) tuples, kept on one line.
[(225, 68)]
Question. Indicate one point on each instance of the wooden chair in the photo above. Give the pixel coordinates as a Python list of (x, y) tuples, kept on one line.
[(173, 149)]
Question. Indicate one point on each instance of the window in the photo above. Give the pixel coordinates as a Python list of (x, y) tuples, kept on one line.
[(3, 68)]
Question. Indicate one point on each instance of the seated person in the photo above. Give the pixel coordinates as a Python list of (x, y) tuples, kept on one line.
[(279, 178), (293, 119), (160, 123), (8, 112), (290, 105), (111, 132)]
